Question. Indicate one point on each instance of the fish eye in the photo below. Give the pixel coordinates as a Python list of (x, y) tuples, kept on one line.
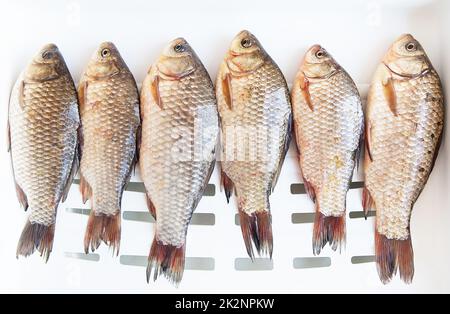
[(47, 55), (105, 52), (246, 43), (179, 48), (320, 53), (411, 46)]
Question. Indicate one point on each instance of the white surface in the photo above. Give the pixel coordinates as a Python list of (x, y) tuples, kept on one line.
[(357, 33)]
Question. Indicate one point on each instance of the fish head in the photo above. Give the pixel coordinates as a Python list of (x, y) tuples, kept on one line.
[(46, 65), (105, 62), (245, 53), (407, 58), (318, 63), (177, 60)]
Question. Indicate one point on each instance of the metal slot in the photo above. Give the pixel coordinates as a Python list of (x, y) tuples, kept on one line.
[(360, 214), (363, 259), (245, 264), (92, 257), (299, 188), (303, 218), (311, 262)]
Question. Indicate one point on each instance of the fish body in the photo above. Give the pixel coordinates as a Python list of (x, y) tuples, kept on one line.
[(43, 123), (404, 122), (177, 151), (109, 109), (328, 123), (255, 115)]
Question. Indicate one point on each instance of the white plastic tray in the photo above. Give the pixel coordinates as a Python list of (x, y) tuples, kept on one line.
[(356, 32)]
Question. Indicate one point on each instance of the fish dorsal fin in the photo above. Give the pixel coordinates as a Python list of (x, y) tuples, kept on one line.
[(226, 90), (389, 92), (154, 88), (304, 87)]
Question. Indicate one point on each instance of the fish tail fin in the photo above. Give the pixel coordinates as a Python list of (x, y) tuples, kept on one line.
[(328, 229), (104, 228), (36, 236), (257, 231), (392, 254), (166, 259)]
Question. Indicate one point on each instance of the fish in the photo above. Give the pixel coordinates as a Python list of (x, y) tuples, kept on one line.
[(43, 123), (110, 118), (328, 127), (404, 122), (256, 122), (180, 128)]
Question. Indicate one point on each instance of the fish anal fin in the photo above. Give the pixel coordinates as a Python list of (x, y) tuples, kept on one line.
[(227, 185), (304, 87), (151, 207), (21, 196), (309, 188), (392, 255), (227, 91), (85, 189), (154, 88), (367, 202)]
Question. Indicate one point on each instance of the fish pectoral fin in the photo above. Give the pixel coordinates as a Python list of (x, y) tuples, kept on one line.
[(154, 88), (22, 197), (22, 94), (304, 87), (226, 90), (85, 189), (8, 137), (82, 94), (389, 93), (226, 184)]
